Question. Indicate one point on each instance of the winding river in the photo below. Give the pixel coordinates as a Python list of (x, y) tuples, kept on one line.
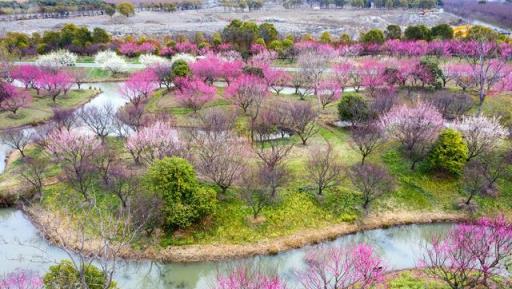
[(21, 245)]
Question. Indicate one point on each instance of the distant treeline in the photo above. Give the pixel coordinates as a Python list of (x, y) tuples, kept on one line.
[(422, 4), (67, 7), (499, 13)]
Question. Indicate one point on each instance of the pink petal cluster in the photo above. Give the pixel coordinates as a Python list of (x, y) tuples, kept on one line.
[(21, 280), (27, 74), (153, 142), (139, 86), (132, 49), (244, 277), (245, 90), (194, 94), (339, 267)]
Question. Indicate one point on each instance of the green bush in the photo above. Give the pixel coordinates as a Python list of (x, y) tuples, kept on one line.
[(442, 31), (374, 36), (419, 32), (449, 153), (186, 201), (65, 276), (180, 68), (353, 107)]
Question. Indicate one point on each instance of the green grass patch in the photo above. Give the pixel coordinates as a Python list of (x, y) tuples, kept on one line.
[(41, 107)]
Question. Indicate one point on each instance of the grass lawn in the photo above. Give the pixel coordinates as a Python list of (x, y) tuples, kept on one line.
[(41, 108)]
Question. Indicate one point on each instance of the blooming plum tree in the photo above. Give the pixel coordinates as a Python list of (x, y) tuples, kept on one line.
[(415, 127), (194, 94)]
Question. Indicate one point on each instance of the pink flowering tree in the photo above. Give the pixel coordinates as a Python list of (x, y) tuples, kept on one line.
[(54, 83), (416, 128), (231, 69), (276, 79), (75, 152), (342, 74), (153, 142), (482, 134), (488, 67), (208, 68), (247, 91), (245, 277), (139, 86), (21, 279), (328, 92), (372, 76), (13, 99), (194, 94), (471, 254), (26, 74), (341, 268), (461, 74)]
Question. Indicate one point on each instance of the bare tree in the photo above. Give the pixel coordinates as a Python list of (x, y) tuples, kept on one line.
[(367, 137), (312, 66), (482, 173), (452, 105), (324, 168), (302, 120), (64, 118), (255, 191), (17, 138), (122, 182), (271, 151), (79, 76), (99, 119), (98, 237), (33, 172), (131, 116), (372, 181)]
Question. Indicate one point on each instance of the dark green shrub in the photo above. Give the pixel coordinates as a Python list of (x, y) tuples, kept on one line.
[(374, 36), (353, 107), (185, 200), (449, 152)]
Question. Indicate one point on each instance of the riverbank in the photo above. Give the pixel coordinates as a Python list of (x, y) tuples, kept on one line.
[(40, 110), (53, 232)]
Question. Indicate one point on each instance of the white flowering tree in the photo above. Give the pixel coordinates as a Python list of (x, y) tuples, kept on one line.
[(57, 59), (149, 60), (184, 56), (109, 60), (482, 134)]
